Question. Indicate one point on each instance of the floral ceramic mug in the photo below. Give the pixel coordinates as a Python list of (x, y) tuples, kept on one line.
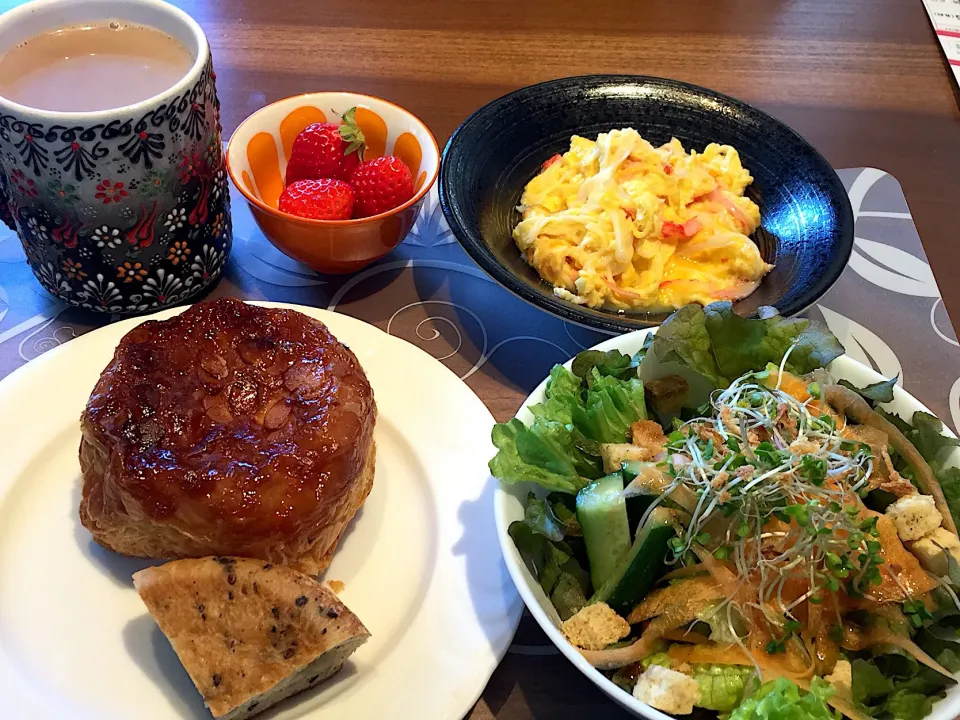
[(126, 210)]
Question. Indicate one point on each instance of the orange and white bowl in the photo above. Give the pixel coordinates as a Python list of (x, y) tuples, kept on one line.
[(257, 162)]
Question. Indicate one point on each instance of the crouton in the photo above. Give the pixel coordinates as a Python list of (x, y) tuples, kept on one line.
[(648, 435), (613, 454), (914, 516), (931, 550), (648, 442), (667, 690), (667, 394), (595, 627)]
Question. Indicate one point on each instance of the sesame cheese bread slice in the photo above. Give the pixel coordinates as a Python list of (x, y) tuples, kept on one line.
[(249, 633)]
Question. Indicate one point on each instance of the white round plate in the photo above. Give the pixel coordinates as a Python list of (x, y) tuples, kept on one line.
[(509, 504), (420, 564)]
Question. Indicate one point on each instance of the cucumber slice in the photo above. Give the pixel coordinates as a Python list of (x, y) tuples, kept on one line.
[(652, 480), (642, 566), (636, 508), (602, 513)]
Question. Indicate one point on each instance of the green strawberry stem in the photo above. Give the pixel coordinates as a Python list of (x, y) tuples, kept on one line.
[(351, 133)]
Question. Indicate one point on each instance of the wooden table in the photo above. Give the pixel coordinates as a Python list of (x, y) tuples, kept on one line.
[(863, 80)]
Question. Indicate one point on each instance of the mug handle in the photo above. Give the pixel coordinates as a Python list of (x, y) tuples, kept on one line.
[(5, 214)]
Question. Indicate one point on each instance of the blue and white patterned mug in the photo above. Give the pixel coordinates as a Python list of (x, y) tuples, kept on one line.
[(120, 211)]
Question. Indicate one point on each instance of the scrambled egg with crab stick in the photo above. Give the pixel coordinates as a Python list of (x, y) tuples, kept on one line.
[(621, 224)]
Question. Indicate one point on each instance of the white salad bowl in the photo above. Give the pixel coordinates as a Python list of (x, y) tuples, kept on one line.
[(509, 506)]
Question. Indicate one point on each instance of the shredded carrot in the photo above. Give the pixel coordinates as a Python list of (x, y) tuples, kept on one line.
[(710, 654), (901, 571), (725, 577), (715, 654), (796, 387), (826, 650)]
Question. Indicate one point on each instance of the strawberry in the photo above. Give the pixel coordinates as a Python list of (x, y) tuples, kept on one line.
[(325, 199), (381, 184), (326, 150)]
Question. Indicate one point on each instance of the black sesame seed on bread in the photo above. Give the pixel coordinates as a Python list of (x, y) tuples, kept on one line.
[(249, 633)]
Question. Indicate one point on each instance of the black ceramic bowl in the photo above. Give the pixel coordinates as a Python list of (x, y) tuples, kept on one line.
[(807, 222)]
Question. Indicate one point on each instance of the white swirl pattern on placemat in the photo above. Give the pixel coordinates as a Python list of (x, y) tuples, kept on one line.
[(487, 355), (893, 269), (31, 322), (434, 319), (888, 215), (887, 266), (435, 334), (938, 305), (566, 328), (45, 342), (862, 344)]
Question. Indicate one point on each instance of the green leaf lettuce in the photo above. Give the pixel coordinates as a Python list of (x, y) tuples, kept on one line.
[(950, 483), (611, 363), (609, 408), (781, 699), (536, 454), (894, 685), (869, 683), (560, 449), (722, 687), (927, 437), (721, 346), (539, 539), (881, 392)]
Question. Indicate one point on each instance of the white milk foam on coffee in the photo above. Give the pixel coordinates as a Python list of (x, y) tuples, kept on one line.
[(92, 67)]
